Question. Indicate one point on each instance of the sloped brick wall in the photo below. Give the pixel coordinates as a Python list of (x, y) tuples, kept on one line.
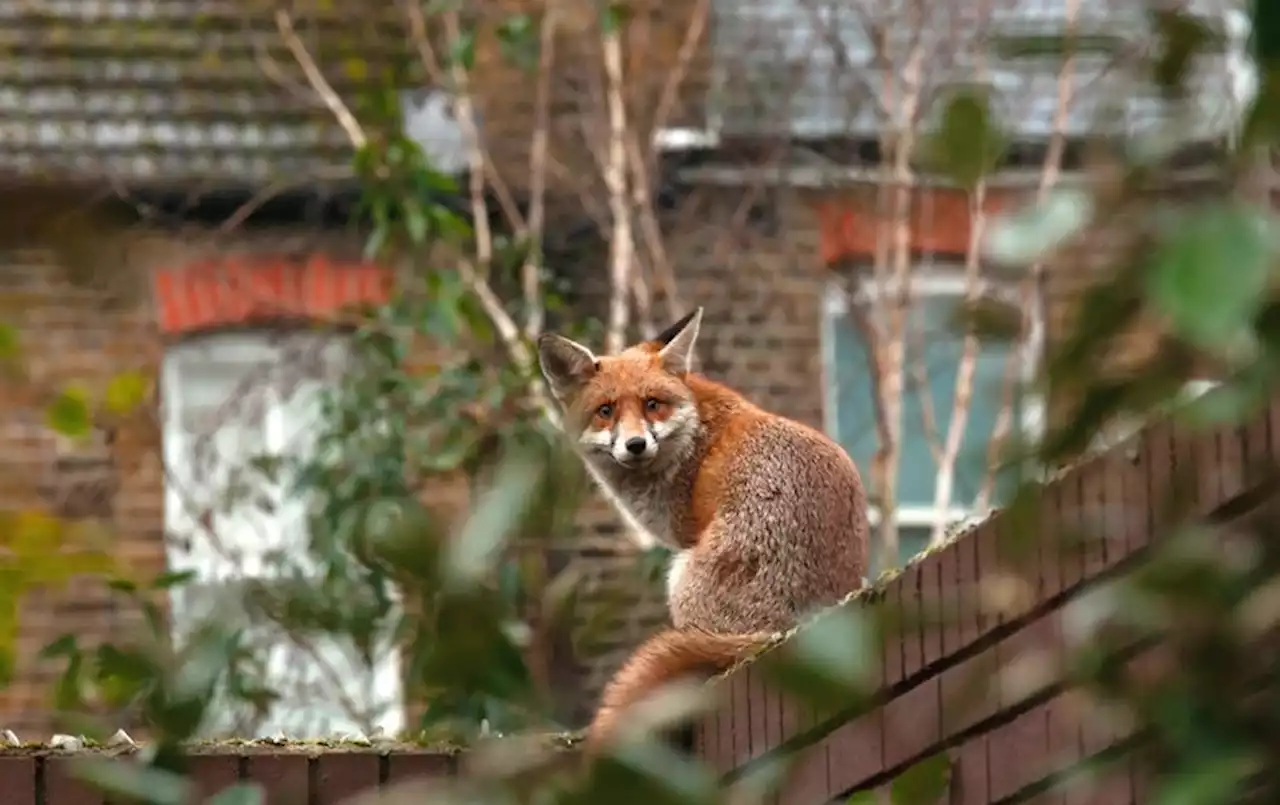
[(1015, 738)]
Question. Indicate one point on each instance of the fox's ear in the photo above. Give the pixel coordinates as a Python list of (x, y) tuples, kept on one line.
[(565, 364), (677, 343)]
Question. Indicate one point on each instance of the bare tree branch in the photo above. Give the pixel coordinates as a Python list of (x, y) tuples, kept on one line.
[(891, 361), (318, 82), (621, 246), (530, 279)]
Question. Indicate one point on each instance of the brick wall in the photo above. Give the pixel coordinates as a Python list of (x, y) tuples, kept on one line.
[(752, 267), (86, 336), (937, 683)]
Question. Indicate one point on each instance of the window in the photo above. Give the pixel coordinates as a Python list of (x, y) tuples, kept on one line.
[(934, 345), (229, 398), (808, 68)]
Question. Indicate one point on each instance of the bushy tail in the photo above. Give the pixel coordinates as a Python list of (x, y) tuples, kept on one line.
[(664, 658)]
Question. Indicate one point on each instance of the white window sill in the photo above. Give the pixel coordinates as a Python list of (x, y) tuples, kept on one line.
[(674, 140)]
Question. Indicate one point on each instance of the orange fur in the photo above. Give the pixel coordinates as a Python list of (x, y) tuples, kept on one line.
[(767, 515), (664, 658)]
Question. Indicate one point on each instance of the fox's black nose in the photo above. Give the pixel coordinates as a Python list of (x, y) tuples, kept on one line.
[(635, 445)]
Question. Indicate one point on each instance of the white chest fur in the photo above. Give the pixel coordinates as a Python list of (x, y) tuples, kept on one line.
[(645, 509), (675, 574)]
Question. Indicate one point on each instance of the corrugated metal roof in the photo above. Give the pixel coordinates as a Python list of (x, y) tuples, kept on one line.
[(810, 67), (176, 90)]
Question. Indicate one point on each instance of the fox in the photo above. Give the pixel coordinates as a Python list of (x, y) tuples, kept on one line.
[(766, 516)]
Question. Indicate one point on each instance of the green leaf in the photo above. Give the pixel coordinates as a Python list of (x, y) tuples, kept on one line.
[(122, 585), (613, 16), (1020, 238), (517, 40), (118, 778), (377, 241), (172, 578), (462, 51), (64, 646), (68, 414), (1234, 400), (239, 794), (830, 662), (1210, 781), (126, 392), (129, 665), (1180, 37), (10, 345), (862, 798), (657, 773), (1210, 275), (967, 145), (1266, 32), (356, 69), (473, 552), (925, 783), (1057, 46), (415, 221)]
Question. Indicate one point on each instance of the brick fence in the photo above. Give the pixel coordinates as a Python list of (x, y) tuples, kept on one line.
[(1006, 749), (291, 775), (1008, 746)]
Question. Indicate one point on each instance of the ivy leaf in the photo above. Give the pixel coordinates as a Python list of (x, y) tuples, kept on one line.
[(68, 414), (925, 783), (126, 392), (1209, 278)]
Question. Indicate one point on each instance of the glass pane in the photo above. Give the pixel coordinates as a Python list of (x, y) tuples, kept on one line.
[(911, 541), (937, 349), (324, 685)]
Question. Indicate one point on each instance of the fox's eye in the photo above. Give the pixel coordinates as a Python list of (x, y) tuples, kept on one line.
[(652, 405), (605, 411)]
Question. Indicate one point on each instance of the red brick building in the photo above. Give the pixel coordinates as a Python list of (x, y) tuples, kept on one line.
[(191, 303)]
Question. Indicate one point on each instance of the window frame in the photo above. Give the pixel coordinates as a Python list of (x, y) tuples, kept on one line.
[(242, 354), (932, 279)]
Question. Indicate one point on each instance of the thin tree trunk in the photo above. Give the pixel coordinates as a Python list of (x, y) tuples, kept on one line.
[(621, 245), (530, 272), (963, 397), (1022, 360), (894, 352)]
